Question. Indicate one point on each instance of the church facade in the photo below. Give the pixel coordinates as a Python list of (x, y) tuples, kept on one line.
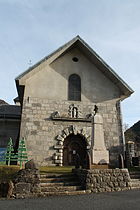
[(62, 96)]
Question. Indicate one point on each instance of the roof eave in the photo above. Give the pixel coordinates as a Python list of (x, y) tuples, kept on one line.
[(106, 69)]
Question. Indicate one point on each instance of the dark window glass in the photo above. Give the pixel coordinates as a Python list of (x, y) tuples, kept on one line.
[(74, 88)]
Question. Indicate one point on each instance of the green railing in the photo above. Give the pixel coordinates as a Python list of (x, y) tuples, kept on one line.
[(10, 156)]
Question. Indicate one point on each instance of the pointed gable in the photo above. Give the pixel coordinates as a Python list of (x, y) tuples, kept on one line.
[(80, 44)]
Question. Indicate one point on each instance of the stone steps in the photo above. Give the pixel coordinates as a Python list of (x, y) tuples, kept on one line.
[(78, 192), (44, 184), (135, 183), (57, 179), (60, 188), (68, 183), (135, 179), (134, 173), (134, 176), (55, 175)]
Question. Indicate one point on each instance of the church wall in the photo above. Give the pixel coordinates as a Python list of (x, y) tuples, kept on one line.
[(51, 80), (41, 132), (46, 91)]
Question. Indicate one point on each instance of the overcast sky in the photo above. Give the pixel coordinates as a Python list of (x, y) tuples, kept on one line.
[(31, 29)]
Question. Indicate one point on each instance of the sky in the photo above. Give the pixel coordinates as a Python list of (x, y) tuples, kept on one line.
[(31, 29)]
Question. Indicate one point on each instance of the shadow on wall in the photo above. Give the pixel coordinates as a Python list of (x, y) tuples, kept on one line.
[(96, 93), (114, 156)]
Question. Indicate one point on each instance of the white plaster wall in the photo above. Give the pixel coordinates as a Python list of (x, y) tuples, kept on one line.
[(51, 80)]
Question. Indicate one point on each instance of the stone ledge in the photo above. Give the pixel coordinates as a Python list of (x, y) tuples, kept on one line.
[(71, 119)]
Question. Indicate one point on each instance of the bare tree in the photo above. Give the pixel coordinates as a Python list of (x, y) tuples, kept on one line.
[(125, 126)]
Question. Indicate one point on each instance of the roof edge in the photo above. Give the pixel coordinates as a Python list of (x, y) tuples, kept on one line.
[(47, 57), (107, 66), (129, 90)]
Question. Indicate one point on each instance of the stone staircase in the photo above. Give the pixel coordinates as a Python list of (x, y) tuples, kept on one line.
[(60, 184), (135, 179)]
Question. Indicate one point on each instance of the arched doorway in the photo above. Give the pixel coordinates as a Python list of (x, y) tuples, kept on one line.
[(74, 144)]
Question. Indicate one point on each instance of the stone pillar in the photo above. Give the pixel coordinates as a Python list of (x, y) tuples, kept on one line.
[(100, 155), (130, 152)]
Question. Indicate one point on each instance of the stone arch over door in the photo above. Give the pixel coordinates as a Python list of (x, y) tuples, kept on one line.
[(70, 131), (74, 145)]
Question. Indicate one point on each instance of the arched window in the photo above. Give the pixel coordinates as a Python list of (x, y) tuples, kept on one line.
[(74, 88)]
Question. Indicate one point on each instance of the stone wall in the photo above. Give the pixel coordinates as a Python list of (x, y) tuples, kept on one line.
[(42, 132), (104, 180), (26, 183)]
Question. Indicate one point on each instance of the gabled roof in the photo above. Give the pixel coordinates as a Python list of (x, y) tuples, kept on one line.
[(93, 56), (10, 111), (2, 102)]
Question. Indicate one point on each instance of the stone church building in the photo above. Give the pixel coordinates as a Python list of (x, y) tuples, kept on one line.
[(71, 105)]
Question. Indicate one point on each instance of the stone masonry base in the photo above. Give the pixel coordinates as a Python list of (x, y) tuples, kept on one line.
[(104, 180)]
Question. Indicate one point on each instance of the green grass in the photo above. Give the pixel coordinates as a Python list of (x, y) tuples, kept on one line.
[(56, 169), (7, 172), (2, 163)]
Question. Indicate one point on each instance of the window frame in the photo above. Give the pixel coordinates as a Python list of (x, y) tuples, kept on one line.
[(74, 87)]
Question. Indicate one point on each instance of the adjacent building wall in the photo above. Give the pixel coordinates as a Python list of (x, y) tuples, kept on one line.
[(8, 129), (9, 124)]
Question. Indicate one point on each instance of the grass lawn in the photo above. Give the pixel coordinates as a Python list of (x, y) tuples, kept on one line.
[(56, 169), (7, 172)]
